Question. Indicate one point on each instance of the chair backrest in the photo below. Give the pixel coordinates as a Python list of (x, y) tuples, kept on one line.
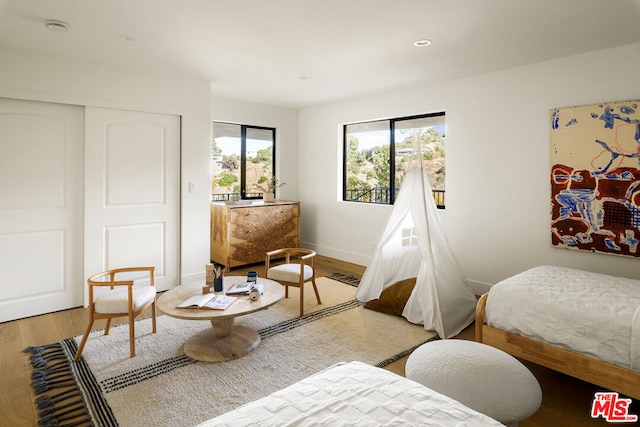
[(301, 253), (126, 277), (129, 274)]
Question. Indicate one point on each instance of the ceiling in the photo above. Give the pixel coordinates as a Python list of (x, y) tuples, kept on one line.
[(298, 53)]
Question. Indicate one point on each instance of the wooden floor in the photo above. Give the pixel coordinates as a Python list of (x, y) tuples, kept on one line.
[(566, 401)]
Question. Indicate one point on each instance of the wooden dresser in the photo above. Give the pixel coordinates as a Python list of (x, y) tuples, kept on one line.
[(242, 233)]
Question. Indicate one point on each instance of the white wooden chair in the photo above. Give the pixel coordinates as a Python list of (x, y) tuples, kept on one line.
[(298, 267), (123, 299)]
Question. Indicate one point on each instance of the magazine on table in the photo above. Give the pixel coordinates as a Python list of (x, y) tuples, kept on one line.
[(208, 302), (245, 287)]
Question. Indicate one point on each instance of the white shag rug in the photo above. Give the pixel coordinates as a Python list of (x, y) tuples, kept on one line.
[(163, 387)]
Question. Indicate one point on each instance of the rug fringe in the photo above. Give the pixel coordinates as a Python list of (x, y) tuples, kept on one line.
[(345, 278), (52, 371)]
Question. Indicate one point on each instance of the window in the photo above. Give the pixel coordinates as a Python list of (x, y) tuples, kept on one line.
[(372, 175), (242, 161)]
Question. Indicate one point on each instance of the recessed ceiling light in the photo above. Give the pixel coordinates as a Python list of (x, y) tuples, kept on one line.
[(127, 37), (53, 25), (422, 43)]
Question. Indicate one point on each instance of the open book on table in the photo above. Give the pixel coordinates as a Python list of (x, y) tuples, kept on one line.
[(244, 288), (208, 302)]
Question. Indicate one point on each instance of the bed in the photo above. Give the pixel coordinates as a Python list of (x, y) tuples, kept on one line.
[(583, 324), (353, 394)]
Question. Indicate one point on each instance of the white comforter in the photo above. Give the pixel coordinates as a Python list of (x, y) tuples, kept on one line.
[(593, 314), (353, 394)]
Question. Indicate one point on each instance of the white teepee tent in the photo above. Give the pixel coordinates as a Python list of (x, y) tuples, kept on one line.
[(414, 244)]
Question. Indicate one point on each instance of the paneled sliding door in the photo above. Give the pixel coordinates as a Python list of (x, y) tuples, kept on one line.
[(41, 208), (132, 194)]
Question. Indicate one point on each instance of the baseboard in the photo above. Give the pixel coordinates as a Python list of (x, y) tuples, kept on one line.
[(340, 254), (479, 288)]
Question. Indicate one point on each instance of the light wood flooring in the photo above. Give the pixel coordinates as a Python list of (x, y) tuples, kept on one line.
[(566, 401)]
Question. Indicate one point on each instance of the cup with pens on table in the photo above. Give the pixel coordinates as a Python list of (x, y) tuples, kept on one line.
[(218, 275)]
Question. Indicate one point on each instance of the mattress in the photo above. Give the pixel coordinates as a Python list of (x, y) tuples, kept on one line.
[(353, 394), (596, 315)]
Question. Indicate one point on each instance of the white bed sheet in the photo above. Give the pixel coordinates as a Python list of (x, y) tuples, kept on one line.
[(592, 314), (353, 394)]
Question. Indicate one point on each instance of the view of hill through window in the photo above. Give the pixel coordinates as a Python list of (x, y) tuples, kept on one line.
[(241, 161), (368, 171)]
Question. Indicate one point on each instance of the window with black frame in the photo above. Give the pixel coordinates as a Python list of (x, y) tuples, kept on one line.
[(373, 175), (242, 161)]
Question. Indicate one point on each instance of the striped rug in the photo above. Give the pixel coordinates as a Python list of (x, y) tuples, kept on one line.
[(162, 386)]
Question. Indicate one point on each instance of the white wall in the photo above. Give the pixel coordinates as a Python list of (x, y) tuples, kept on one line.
[(498, 208), (497, 215), (51, 79), (285, 121)]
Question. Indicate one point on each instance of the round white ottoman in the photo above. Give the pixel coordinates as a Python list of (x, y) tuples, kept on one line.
[(479, 376)]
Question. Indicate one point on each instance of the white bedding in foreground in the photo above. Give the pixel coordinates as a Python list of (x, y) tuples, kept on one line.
[(353, 394), (592, 314)]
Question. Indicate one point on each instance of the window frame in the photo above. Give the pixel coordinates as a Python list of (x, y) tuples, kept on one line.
[(392, 164), (243, 160)]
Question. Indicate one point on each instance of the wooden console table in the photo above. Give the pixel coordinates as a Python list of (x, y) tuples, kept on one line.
[(241, 234)]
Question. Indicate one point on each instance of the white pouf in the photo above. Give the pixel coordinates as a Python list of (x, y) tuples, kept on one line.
[(479, 376)]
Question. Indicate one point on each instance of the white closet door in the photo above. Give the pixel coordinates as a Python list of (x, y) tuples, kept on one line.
[(41, 155), (132, 192)]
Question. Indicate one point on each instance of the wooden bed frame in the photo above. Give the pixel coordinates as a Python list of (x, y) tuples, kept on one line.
[(607, 375)]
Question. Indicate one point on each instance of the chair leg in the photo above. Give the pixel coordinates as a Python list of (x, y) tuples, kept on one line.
[(315, 288), (84, 341), (106, 329), (153, 317), (132, 336), (286, 291), (301, 299)]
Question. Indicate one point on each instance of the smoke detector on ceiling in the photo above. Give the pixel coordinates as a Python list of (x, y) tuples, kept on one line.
[(53, 25)]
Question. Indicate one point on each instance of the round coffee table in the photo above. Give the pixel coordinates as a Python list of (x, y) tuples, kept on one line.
[(224, 340)]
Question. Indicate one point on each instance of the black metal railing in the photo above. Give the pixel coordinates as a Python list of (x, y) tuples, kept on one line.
[(223, 197), (438, 196), (380, 195)]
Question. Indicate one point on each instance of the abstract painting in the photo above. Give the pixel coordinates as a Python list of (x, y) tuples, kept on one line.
[(595, 178)]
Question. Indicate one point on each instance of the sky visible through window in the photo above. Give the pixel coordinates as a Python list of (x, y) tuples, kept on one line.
[(231, 145), (375, 138)]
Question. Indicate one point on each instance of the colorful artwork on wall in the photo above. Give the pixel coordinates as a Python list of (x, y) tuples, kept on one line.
[(595, 178)]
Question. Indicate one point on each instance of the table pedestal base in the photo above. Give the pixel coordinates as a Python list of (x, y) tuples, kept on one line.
[(224, 341)]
